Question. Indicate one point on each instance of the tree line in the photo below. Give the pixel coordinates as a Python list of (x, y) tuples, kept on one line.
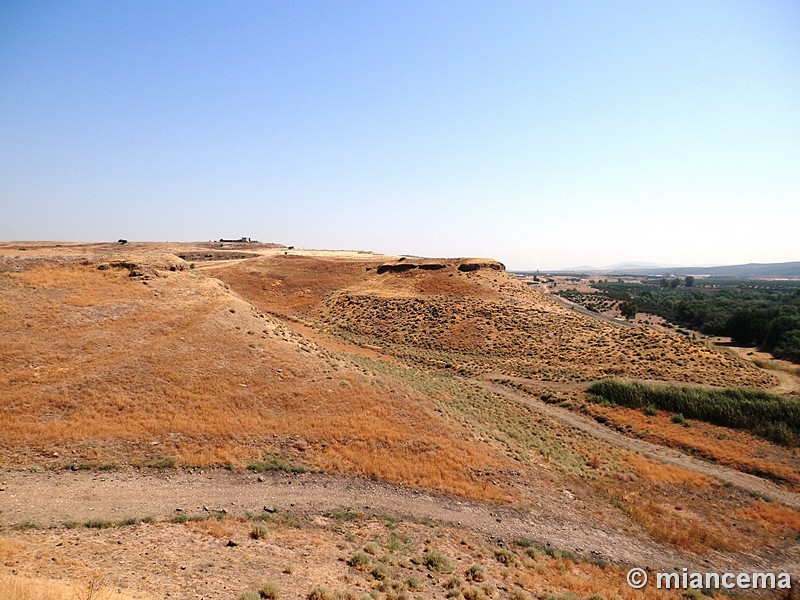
[(758, 313)]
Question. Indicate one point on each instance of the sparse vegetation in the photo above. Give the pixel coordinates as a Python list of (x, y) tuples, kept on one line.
[(475, 573), (275, 463)]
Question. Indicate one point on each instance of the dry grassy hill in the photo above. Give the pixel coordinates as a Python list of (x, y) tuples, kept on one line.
[(103, 368), (130, 360), (474, 321)]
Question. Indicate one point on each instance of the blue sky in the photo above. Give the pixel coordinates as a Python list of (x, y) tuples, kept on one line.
[(545, 134)]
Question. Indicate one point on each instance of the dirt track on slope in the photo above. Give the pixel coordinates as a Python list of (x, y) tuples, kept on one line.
[(749, 483), (53, 498)]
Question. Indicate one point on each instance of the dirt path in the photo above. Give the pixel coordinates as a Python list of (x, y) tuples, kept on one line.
[(580, 309), (749, 483), (782, 370), (55, 497)]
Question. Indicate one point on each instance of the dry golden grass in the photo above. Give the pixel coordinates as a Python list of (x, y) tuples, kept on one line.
[(725, 446), (117, 371), (665, 473), (16, 587), (100, 368), (216, 527), (588, 579), (773, 517), (679, 528)]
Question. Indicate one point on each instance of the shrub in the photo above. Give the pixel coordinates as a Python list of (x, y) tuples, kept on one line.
[(436, 561), (359, 560), (275, 463), (414, 583), (381, 572), (506, 557), (472, 593), (319, 593), (371, 548), (259, 531), (679, 419), (97, 524), (475, 573), (270, 591)]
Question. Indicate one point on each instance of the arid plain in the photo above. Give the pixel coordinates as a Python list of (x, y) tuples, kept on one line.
[(203, 420)]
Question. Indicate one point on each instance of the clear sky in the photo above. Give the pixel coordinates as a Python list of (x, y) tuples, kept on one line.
[(546, 134)]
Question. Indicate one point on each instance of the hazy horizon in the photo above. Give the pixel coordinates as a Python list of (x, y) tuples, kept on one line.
[(546, 135)]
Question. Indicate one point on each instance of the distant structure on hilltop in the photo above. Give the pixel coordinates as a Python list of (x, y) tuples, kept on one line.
[(241, 240)]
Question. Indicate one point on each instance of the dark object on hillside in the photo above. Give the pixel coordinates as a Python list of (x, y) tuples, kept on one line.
[(122, 242), (466, 267), (395, 268), (241, 240)]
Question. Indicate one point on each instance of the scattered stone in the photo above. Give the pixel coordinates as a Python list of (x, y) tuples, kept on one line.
[(231, 544)]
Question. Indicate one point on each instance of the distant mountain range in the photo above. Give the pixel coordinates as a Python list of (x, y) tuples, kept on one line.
[(750, 270)]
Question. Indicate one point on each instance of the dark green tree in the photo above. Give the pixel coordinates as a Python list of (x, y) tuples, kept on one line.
[(628, 310)]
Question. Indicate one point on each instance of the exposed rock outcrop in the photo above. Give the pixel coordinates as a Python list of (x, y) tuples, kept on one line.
[(460, 264)]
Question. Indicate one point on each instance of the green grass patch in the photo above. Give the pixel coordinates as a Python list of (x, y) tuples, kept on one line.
[(772, 417), (275, 463), (98, 524)]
